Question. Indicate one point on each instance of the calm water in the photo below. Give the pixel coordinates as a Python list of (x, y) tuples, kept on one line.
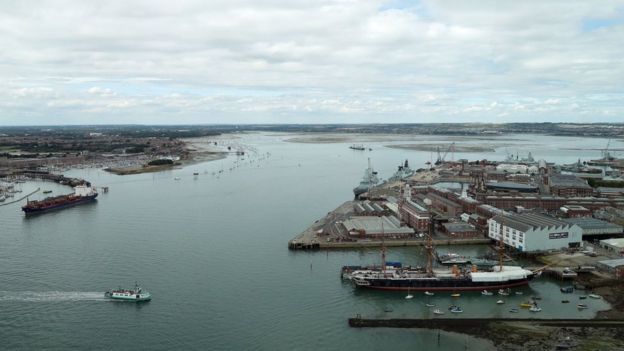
[(213, 253)]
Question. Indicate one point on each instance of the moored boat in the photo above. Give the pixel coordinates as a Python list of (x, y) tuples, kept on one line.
[(487, 293), (137, 294), (594, 296), (582, 306), (456, 309)]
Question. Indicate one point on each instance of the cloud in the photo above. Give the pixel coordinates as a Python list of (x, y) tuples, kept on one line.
[(310, 62)]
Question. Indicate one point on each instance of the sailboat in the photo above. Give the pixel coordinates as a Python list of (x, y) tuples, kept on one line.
[(409, 296)]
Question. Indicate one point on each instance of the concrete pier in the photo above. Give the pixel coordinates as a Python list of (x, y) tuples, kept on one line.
[(442, 323)]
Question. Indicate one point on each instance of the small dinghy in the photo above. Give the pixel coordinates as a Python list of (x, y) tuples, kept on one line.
[(456, 309)]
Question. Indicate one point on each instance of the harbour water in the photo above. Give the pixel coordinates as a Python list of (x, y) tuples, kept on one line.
[(212, 251)]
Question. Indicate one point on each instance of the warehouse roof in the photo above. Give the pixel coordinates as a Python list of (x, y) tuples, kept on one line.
[(593, 223), (565, 180), (458, 227), (376, 225), (511, 186), (528, 220), (613, 263), (618, 242)]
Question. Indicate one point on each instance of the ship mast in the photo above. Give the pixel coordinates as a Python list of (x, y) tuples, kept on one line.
[(383, 249), (501, 244), (429, 248)]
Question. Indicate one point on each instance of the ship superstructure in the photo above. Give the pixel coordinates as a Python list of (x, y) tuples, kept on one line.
[(369, 180)]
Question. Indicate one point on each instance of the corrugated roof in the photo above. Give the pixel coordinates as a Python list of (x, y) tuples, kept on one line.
[(592, 223), (618, 242), (528, 220), (566, 180), (613, 263)]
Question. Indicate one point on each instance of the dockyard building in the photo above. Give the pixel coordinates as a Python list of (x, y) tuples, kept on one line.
[(613, 245), (593, 227), (415, 214), (569, 186), (534, 232), (376, 227), (460, 230)]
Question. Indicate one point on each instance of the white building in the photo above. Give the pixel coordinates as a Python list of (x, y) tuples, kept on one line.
[(534, 232), (615, 245)]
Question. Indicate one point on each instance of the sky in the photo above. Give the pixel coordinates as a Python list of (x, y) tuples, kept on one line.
[(302, 61)]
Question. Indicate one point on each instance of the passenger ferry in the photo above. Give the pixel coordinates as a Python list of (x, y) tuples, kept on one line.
[(137, 294)]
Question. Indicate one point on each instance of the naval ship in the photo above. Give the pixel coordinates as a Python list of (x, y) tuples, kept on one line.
[(368, 181)]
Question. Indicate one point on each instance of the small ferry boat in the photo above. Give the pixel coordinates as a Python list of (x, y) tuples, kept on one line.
[(137, 294)]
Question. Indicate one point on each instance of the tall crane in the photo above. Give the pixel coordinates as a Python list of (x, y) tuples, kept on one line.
[(441, 158)]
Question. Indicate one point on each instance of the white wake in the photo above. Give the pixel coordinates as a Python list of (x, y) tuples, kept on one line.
[(51, 296)]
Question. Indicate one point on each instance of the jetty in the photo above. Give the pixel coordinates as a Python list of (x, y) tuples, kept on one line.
[(445, 323)]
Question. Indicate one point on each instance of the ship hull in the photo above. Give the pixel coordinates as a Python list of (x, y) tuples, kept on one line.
[(82, 200), (131, 298), (441, 285)]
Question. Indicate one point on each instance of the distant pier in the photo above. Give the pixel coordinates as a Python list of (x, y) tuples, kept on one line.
[(444, 323)]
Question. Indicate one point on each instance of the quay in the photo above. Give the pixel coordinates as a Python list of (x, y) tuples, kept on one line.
[(442, 323), (328, 233), (299, 243)]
